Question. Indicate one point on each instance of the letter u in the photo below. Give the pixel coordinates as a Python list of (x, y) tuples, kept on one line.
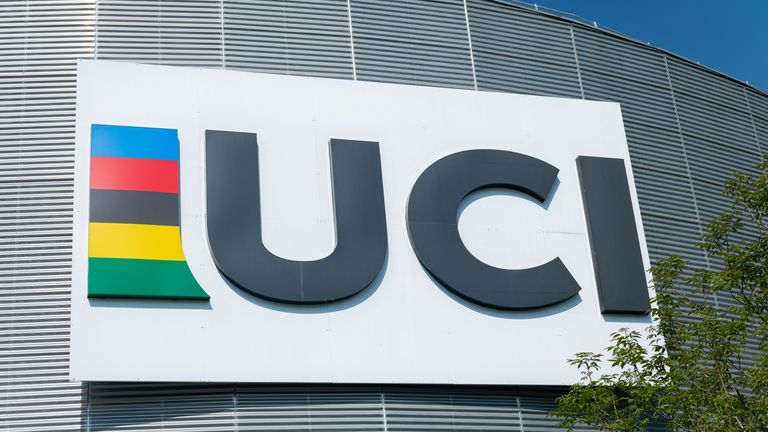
[(234, 223)]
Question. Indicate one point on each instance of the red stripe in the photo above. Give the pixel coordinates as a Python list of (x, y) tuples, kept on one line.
[(148, 175)]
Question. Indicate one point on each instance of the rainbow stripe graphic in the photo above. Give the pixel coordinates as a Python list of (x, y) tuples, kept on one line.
[(134, 239)]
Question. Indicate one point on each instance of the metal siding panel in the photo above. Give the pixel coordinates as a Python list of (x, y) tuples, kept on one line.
[(412, 41), (724, 127), (636, 77), (41, 41), (146, 406), (758, 105), (520, 51), (170, 32), (720, 138), (455, 409), (298, 408), (308, 37), (717, 130)]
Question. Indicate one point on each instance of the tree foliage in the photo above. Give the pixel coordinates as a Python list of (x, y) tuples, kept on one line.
[(703, 366)]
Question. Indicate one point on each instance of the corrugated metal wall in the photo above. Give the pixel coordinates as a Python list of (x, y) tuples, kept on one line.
[(39, 42), (412, 42), (308, 37), (171, 32), (521, 52), (687, 128)]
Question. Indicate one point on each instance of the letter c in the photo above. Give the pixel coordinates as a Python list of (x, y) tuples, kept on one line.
[(434, 234)]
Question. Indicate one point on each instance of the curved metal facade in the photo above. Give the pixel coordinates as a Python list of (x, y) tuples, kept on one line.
[(688, 128)]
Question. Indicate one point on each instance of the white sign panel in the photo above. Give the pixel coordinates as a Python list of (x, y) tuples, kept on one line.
[(405, 327)]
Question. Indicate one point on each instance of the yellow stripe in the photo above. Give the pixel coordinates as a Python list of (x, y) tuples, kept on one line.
[(115, 240)]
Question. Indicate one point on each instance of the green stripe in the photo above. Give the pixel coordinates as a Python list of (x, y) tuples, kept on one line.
[(137, 278)]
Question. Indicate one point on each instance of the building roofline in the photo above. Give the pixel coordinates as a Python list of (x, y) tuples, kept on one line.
[(593, 25)]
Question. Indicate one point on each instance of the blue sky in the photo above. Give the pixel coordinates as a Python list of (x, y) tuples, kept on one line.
[(728, 36)]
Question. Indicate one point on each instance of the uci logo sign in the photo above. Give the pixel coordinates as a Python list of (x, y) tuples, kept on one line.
[(331, 231), (135, 247)]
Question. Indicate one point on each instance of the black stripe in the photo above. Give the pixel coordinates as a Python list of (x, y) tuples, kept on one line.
[(117, 206)]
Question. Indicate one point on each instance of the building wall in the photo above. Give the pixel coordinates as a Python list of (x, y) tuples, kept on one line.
[(688, 128)]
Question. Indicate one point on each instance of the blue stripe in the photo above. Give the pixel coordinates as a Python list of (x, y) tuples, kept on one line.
[(134, 142)]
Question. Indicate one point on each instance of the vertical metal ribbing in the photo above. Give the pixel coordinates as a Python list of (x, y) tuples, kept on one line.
[(351, 39), (576, 59), (469, 40), (520, 413)]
